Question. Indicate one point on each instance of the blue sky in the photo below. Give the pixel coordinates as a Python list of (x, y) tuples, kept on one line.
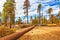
[(33, 9)]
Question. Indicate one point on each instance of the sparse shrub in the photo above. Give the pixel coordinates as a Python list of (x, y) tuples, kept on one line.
[(24, 25), (14, 29)]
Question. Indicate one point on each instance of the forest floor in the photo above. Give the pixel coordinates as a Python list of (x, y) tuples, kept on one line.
[(41, 33)]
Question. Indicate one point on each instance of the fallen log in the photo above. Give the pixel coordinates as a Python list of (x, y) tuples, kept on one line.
[(17, 35)]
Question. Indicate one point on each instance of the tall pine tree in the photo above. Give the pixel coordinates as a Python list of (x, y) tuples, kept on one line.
[(9, 11), (26, 7)]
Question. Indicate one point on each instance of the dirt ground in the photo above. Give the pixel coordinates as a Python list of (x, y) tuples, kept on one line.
[(42, 33)]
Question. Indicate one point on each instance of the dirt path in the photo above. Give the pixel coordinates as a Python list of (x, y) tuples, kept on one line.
[(42, 33)]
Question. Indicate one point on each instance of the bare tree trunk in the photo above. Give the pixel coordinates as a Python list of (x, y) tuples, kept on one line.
[(27, 16), (0, 22), (50, 17), (39, 18), (10, 20), (5, 22), (10, 24)]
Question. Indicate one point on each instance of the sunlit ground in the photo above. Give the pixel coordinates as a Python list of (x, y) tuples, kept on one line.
[(42, 33)]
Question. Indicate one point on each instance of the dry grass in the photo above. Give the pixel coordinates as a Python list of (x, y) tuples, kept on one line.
[(5, 31), (42, 33)]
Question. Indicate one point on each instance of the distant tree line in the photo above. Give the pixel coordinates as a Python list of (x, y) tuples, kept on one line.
[(8, 14)]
